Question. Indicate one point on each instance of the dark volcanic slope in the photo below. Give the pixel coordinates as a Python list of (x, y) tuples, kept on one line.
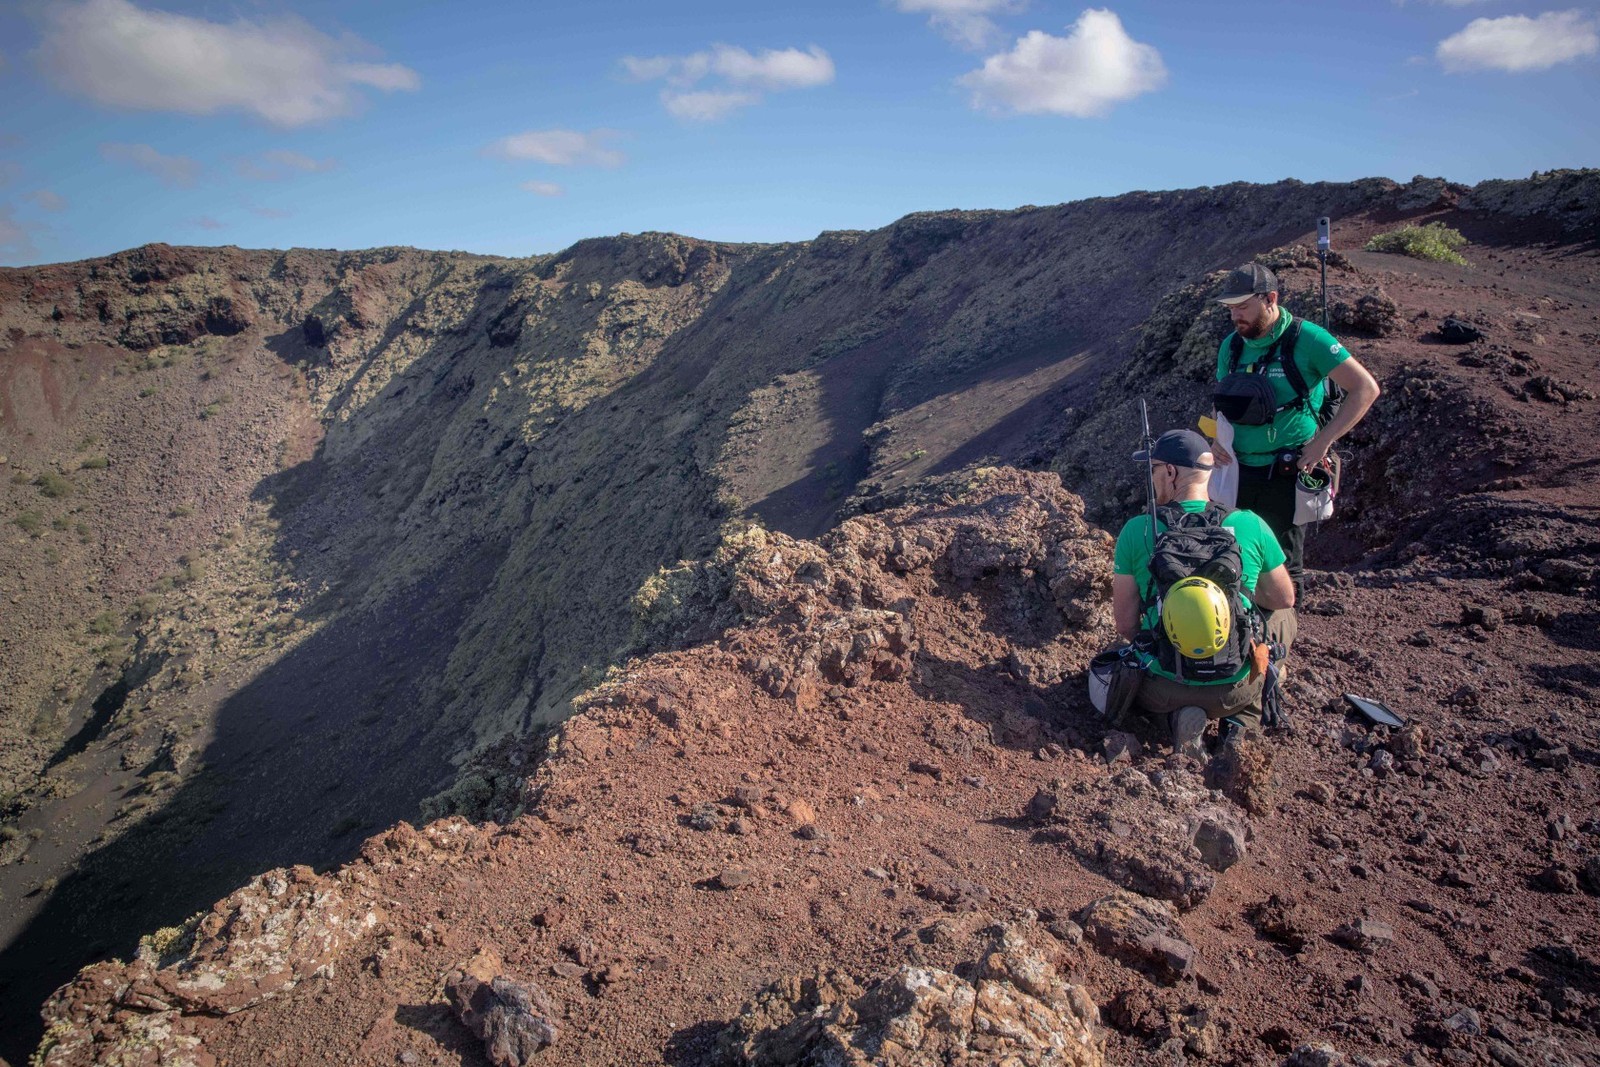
[(327, 521)]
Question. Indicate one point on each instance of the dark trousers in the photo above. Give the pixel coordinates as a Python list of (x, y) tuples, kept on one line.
[(1269, 492)]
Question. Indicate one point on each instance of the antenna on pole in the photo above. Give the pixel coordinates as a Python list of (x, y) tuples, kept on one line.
[(1323, 241)]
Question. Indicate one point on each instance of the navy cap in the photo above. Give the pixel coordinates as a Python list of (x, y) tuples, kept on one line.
[(1252, 279), (1182, 448)]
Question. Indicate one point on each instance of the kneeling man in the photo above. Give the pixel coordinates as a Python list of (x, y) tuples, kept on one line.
[(1204, 596)]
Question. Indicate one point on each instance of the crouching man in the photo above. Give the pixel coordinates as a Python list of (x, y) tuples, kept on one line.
[(1204, 596)]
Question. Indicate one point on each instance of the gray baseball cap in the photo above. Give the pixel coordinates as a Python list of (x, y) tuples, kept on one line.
[(1252, 279)]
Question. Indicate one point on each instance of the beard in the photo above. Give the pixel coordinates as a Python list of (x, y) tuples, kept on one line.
[(1256, 327)]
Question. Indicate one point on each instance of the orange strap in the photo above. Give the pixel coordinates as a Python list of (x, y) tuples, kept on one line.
[(1260, 656)]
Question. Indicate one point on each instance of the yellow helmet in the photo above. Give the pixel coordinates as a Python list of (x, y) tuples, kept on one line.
[(1196, 617)]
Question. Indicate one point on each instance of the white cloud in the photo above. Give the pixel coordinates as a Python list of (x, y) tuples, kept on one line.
[(1083, 74), (706, 105), (279, 164), (542, 188), (1517, 43), (180, 171), (560, 148), (739, 77), (966, 22), (45, 200), (284, 71)]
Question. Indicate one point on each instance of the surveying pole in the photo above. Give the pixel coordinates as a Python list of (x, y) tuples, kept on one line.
[(1322, 257)]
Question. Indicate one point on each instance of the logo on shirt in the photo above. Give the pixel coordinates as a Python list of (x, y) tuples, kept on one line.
[(1335, 348)]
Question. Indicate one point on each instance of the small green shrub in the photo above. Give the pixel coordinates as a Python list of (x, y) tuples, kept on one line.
[(29, 522), (52, 555), (1435, 241), (95, 463), (182, 511), (103, 623), (52, 485), (59, 523), (147, 392)]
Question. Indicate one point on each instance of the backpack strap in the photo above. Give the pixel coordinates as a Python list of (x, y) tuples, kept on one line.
[(1291, 369), (1281, 351)]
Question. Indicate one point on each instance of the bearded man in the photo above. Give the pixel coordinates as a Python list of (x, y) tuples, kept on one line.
[(1291, 428)]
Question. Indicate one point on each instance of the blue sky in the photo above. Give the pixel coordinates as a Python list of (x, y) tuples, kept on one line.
[(517, 128)]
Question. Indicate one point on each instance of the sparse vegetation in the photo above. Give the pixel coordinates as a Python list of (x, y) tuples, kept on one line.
[(1434, 241), (29, 522), (182, 511), (147, 392), (53, 485), (95, 463), (104, 624)]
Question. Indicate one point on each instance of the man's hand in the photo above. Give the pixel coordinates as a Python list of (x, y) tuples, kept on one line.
[(1313, 453), (1220, 454)]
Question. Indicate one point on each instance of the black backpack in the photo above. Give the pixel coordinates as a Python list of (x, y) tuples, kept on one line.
[(1197, 543), (1246, 398)]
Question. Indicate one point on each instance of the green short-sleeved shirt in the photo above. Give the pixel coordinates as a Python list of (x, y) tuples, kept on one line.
[(1259, 552), (1317, 353)]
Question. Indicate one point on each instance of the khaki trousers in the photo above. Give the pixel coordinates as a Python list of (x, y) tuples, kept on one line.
[(1160, 696)]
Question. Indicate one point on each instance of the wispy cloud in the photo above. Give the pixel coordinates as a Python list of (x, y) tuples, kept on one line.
[(267, 212), (1095, 67), (206, 222), (966, 22), (179, 171), (707, 105), (1518, 44), (284, 71), (543, 188), (739, 78), (45, 200), (278, 164), (560, 148), (15, 240), (10, 171)]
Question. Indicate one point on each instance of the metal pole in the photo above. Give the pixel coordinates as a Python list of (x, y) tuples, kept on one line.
[(1323, 241), (1149, 470)]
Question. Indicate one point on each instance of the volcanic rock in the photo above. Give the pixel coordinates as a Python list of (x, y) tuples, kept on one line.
[(513, 1019), (1008, 1006), (1141, 933)]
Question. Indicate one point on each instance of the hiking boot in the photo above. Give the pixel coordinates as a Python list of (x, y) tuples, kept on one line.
[(1229, 733), (1188, 724)]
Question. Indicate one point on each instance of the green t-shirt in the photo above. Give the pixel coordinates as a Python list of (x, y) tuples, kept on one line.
[(1317, 353), (1259, 552)]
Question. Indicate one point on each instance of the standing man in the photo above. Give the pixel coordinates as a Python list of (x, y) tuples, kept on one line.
[(1295, 435)]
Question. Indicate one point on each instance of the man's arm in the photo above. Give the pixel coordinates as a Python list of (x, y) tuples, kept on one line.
[(1125, 604), (1274, 589), (1361, 389)]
